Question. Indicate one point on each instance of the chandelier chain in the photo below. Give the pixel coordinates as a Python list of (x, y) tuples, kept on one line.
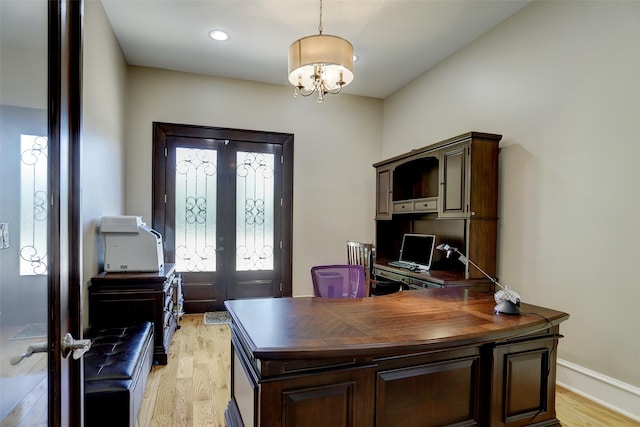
[(320, 27)]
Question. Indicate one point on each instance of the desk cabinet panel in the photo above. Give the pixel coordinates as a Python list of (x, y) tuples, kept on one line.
[(341, 398), (413, 396), (524, 383), (316, 400)]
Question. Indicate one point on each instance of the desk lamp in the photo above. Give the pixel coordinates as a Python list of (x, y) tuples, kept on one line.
[(507, 300)]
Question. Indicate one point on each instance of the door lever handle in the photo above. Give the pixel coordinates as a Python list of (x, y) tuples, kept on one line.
[(38, 347), (79, 347)]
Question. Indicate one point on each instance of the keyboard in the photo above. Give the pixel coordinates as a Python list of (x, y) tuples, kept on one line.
[(404, 264)]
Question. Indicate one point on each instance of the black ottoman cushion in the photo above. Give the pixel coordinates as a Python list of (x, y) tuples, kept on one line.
[(115, 353), (115, 374)]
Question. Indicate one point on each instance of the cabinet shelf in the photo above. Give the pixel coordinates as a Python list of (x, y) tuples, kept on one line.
[(417, 179)]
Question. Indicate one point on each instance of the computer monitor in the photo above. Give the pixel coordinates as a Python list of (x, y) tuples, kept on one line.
[(418, 249)]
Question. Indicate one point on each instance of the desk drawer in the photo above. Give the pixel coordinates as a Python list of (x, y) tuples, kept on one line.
[(426, 205), (404, 206), (409, 281), (393, 276), (422, 284)]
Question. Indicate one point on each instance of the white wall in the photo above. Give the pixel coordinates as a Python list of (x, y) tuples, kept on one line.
[(560, 81), (335, 145), (23, 110), (103, 111)]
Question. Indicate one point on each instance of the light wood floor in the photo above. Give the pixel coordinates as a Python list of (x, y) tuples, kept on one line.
[(23, 385), (193, 388)]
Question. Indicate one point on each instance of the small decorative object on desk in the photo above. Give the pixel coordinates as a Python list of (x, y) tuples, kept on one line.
[(507, 300)]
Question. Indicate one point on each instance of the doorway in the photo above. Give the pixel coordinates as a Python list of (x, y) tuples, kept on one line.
[(222, 200)]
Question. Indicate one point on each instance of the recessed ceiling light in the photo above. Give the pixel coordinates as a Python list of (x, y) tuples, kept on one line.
[(218, 35)]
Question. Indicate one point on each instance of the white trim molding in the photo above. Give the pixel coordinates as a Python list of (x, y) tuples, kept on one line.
[(609, 392)]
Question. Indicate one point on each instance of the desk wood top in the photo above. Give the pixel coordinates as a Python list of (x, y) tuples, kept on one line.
[(417, 320)]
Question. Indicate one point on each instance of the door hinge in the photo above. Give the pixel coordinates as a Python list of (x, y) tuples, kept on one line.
[(165, 199), (281, 202), (281, 245), (281, 287), (166, 151), (282, 160)]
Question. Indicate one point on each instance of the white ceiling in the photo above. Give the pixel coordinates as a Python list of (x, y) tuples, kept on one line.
[(395, 40)]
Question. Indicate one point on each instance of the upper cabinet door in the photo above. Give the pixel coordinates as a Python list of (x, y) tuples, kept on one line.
[(384, 193), (453, 178)]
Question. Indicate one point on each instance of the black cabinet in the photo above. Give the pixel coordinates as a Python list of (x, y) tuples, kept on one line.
[(123, 299)]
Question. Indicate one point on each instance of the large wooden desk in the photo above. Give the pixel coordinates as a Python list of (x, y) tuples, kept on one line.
[(429, 357)]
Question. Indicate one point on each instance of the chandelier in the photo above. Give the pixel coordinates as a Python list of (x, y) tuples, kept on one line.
[(320, 63)]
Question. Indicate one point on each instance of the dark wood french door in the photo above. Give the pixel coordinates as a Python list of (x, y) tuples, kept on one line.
[(40, 231), (222, 201)]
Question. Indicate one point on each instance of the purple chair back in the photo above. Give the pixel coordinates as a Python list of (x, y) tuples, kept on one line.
[(339, 281)]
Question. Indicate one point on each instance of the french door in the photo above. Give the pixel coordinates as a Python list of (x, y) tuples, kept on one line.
[(40, 256), (222, 201)]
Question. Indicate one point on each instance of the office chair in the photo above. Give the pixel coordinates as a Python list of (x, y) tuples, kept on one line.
[(339, 281), (364, 254), (361, 254)]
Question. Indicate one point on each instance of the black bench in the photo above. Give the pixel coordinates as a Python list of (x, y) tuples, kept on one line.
[(116, 368)]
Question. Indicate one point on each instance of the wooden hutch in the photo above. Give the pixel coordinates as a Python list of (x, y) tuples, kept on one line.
[(449, 189)]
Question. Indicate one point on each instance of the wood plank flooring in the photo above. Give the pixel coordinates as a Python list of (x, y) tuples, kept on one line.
[(23, 387), (193, 389)]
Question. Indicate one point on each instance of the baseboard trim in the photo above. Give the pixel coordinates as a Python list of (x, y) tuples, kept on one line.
[(609, 392)]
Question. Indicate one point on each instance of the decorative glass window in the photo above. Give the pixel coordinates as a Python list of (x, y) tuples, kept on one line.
[(254, 211), (33, 205), (195, 232)]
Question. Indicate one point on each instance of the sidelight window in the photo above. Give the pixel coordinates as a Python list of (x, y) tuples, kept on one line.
[(33, 205)]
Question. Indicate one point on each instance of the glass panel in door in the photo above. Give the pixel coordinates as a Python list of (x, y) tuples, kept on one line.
[(23, 213), (195, 209), (254, 211)]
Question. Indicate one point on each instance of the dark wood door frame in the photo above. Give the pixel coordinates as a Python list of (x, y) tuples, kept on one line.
[(65, 398), (163, 130)]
